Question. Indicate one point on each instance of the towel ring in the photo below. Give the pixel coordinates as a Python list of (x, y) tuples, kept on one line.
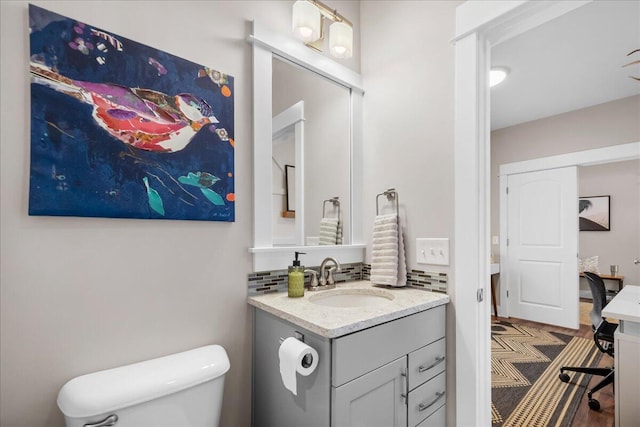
[(392, 195), (335, 201)]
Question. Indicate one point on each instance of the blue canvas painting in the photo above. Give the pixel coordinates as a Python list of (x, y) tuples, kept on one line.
[(122, 130)]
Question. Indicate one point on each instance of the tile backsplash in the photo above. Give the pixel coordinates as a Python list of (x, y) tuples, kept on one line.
[(429, 281), (276, 280)]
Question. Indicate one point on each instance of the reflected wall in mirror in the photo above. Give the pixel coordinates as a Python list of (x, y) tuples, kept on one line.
[(324, 152)]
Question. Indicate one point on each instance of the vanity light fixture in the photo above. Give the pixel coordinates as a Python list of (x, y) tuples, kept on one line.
[(308, 25), (497, 75), (307, 21)]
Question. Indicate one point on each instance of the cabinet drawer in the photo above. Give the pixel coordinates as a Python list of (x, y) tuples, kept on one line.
[(426, 363), (426, 399), (361, 352), (437, 419)]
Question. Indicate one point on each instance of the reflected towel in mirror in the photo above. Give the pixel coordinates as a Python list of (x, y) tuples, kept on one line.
[(328, 231)]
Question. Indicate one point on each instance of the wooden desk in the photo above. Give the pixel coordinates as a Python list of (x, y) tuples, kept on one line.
[(619, 279), (626, 308)]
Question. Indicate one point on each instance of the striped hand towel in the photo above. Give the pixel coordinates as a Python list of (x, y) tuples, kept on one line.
[(328, 231), (388, 261)]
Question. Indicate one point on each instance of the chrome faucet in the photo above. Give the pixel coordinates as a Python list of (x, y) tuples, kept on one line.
[(328, 280)]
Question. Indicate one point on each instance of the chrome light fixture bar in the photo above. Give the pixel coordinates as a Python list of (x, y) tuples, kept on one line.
[(308, 25)]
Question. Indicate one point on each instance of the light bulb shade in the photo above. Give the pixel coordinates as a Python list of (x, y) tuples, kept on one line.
[(305, 23), (341, 40)]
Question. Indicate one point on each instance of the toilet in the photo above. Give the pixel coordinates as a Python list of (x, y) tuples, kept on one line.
[(179, 390)]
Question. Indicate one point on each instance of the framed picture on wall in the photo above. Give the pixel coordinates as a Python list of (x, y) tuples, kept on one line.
[(120, 129), (290, 176), (593, 213)]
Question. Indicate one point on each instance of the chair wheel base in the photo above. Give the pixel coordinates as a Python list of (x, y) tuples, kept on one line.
[(564, 377), (594, 404)]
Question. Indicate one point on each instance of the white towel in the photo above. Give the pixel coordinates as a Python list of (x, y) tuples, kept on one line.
[(402, 259), (388, 260), (328, 231)]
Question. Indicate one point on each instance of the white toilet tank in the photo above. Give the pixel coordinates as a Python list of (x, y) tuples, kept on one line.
[(180, 390)]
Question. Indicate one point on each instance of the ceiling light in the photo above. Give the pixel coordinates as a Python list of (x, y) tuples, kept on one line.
[(308, 25), (497, 75)]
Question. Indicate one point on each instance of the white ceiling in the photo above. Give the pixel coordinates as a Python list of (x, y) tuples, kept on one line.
[(572, 62)]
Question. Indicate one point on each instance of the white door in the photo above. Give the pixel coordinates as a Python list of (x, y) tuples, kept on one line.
[(542, 234)]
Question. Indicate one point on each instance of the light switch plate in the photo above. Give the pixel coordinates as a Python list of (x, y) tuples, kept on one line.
[(495, 240), (433, 251)]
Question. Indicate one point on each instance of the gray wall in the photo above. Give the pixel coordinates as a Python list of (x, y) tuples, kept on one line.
[(603, 125), (84, 294), (621, 245), (408, 72)]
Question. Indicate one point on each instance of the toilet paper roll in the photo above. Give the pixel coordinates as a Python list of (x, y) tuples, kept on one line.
[(292, 354)]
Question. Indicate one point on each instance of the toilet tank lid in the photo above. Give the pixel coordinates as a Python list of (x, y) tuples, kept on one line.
[(125, 386)]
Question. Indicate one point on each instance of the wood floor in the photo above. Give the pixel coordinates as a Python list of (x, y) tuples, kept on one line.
[(584, 415)]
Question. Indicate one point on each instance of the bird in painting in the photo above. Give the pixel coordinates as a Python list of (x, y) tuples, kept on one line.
[(141, 118)]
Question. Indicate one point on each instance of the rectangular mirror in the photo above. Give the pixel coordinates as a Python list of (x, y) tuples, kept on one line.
[(327, 159)]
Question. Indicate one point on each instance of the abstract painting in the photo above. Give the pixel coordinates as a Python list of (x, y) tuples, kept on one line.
[(593, 213), (122, 130)]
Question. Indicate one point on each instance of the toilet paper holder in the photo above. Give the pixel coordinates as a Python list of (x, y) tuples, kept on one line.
[(297, 335), (307, 360)]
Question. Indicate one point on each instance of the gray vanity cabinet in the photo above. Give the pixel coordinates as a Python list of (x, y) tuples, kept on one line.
[(388, 375), (402, 360)]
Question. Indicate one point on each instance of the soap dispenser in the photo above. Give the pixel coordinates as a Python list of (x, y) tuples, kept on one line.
[(296, 278)]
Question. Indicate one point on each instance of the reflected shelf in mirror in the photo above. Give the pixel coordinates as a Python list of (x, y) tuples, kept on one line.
[(279, 257)]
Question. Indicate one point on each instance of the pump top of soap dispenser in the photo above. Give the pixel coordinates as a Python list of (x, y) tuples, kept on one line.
[(296, 262)]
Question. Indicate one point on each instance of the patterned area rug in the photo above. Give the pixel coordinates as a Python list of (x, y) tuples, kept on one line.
[(525, 363)]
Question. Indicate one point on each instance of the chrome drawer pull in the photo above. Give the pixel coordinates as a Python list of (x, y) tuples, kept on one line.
[(423, 368), (111, 420), (422, 406), (403, 385)]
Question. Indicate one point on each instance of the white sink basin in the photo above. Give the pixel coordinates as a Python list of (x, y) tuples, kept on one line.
[(352, 298)]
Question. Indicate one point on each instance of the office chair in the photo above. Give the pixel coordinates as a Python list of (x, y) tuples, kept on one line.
[(602, 335)]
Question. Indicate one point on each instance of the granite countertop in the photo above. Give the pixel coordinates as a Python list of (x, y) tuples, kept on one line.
[(333, 322)]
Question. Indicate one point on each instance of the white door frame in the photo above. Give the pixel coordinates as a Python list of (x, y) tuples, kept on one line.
[(293, 119), (615, 153), (479, 25)]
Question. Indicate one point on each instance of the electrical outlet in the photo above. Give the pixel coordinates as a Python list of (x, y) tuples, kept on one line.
[(433, 251)]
